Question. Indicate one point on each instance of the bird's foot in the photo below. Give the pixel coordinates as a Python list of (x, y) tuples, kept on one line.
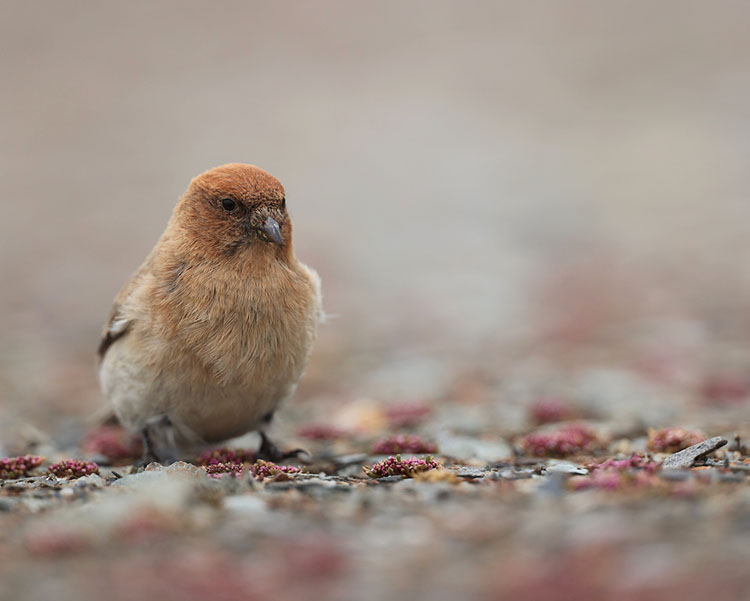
[(268, 451), (158, 442)]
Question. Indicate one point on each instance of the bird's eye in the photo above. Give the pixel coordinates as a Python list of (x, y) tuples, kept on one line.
[(283, 203), (228, 204)]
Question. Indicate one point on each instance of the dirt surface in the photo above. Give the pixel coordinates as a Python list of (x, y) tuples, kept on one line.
[(513, 494)]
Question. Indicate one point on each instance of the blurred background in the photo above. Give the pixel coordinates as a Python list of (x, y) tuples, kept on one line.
[(479, 185)]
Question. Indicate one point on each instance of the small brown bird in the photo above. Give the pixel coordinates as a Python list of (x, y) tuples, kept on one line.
[(214, 330)]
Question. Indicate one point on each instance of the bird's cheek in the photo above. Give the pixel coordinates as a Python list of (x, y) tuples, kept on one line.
[(249, 229)]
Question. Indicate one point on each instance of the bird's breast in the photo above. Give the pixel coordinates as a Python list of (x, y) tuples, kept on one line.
[(254, 331)]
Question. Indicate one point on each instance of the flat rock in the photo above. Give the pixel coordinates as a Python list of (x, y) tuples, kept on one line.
[(565, 467), (170, 486), (686, 458), (471, 472), (92, 481)]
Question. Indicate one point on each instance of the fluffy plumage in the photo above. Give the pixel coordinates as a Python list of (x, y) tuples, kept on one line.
[(214, 330)]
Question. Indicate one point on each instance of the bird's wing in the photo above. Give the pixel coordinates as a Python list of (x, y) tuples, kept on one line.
[(117, 326), (119, 323)]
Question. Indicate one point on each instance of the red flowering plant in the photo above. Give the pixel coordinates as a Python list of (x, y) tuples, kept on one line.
[(18, 467), (73, 468), (219, 462), (266, 469), (635, 471), (395, 466)]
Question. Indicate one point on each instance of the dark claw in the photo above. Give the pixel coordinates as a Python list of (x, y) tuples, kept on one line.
[(145, 460), (268, 451)]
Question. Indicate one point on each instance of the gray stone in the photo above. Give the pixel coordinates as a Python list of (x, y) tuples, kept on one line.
[(165, 487), (182, 467), (686, 457), (565, 467), (91, 481), (471, 472), (25, 484)]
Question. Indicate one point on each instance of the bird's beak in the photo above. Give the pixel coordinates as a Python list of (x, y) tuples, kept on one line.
[(270, 231)]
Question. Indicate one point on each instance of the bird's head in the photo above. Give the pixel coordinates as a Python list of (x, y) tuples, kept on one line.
[(235, 208)]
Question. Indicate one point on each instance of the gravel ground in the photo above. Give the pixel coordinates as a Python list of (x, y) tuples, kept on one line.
[(548, 497)]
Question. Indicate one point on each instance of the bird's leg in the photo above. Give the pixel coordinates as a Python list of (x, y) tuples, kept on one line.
[(149, 455), (268, 451), (158, 441)]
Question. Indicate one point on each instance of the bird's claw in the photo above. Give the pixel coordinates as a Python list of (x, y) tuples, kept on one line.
[(268, 451)]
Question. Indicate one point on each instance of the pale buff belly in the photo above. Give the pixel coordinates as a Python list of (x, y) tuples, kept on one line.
[(141, 386)]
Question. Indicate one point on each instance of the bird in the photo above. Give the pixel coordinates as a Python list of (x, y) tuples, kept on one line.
[(213, 332)]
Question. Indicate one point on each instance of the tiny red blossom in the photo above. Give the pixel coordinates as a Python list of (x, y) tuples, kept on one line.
[(635, 462), (18, 467), (266, 469), (218, 469), (223, 455), (72, 468), (395, 466)]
